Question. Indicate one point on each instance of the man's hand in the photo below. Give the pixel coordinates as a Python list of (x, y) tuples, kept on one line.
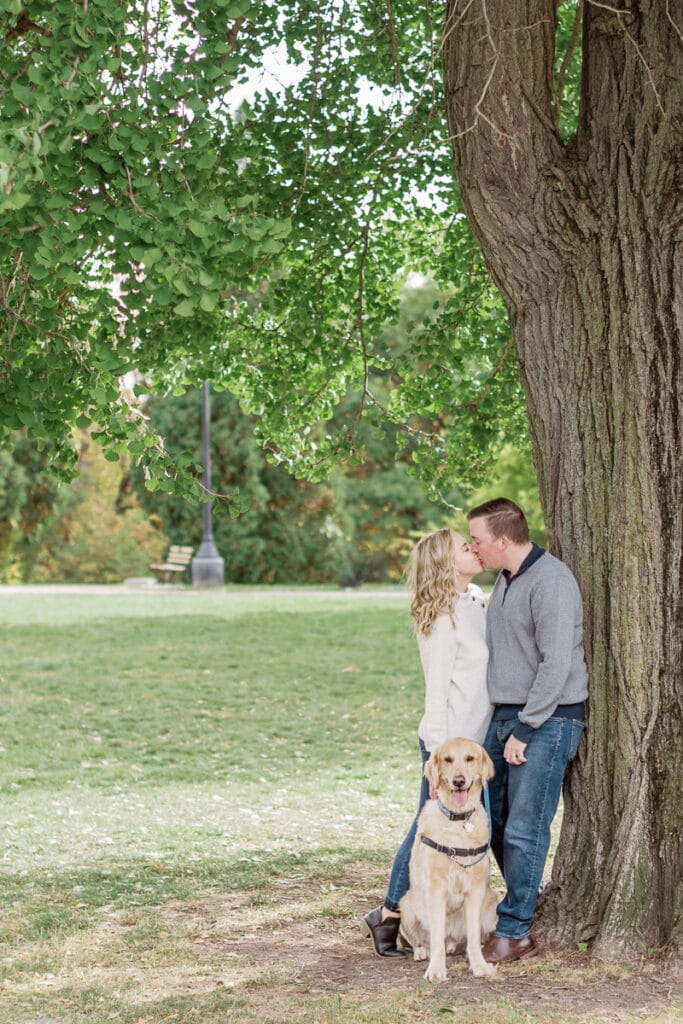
[(514, 751)]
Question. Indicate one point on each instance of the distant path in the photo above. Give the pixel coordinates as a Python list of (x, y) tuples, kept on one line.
[(145, 586)]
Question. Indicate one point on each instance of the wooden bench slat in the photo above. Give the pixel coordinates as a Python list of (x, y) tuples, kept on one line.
[(177, 560)]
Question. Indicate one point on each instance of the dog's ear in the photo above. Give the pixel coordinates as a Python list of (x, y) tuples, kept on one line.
[(487, 769), (431, 772)]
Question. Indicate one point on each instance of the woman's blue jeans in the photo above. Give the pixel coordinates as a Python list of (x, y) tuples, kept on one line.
[(524, 800), (399, 880)]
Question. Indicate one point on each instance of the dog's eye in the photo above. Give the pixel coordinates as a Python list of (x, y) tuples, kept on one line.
[(469, 757), (448, 760)]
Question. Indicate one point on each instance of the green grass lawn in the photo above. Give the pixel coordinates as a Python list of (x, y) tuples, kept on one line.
[(164, 745), (200, 793)]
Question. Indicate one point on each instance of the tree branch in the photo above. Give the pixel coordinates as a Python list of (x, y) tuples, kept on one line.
[(498, 73), (394, 44), (635, 47), (496, 98), (628, 15), (24, 25)]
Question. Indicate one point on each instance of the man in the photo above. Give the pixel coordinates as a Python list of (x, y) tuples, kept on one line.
[(537, 682)]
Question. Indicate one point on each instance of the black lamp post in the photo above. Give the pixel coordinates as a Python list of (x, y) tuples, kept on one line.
[(207, 564)]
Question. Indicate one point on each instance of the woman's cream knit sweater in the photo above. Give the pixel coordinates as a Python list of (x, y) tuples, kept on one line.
[(454, 664)]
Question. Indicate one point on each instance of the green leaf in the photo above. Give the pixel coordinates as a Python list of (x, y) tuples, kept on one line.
[(207, 159), (151, 256), (235, 8), (23, 94), (15, 200), (271, 245), (185, 308), (79, 35), (209, 301), (281, 228), (181, 285)]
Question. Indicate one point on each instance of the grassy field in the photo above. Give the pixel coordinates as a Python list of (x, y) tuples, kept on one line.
[(200, 795)]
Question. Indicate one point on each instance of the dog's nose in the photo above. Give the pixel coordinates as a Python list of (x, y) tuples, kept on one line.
[(459, 781)]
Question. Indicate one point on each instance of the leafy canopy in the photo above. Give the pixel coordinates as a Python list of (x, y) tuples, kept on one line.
[(219, 189)]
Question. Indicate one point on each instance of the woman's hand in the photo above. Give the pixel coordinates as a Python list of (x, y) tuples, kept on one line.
[(514, 751)]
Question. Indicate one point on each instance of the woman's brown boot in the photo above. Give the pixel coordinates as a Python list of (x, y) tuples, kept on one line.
[(383, 933)]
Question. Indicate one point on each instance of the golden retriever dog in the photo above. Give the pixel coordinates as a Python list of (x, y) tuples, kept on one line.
[(450, 898)]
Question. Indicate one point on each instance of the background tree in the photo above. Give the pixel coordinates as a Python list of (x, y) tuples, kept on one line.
[(94, 532), (356, 526), (290, 530), (28, 492)]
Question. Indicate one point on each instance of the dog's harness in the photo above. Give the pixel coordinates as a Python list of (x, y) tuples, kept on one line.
[(456, 851)]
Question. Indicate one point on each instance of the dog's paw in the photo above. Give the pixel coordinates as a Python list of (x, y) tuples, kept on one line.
[(420, 953), (435, 973), (483, 970)]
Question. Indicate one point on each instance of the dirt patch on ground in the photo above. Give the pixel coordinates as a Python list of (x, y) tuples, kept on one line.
[(279, 953), (322, 959)]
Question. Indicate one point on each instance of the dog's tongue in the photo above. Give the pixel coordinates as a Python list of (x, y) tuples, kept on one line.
[(459, 797)]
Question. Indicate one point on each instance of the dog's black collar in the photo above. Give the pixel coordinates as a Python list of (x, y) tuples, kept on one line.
[(454, 815), (454, 851)]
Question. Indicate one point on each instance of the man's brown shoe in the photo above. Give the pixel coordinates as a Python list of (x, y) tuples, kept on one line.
[(499, 950)]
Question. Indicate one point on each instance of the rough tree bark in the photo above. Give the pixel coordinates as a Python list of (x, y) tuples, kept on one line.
[(585, 242)]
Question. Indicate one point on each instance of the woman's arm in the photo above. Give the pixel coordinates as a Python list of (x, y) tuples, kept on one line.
[(437, 653)]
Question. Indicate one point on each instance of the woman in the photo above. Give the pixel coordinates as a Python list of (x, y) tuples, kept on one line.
[(450, 622)]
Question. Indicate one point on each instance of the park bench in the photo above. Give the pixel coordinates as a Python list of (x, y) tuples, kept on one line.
[(177, 561)]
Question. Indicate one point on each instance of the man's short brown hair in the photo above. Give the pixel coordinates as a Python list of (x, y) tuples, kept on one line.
[(503, 518)]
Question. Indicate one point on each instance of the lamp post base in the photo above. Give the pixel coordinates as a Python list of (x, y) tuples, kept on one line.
[(208, 567)]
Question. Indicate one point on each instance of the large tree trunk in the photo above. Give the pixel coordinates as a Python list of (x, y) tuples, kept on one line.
[(585, 244)]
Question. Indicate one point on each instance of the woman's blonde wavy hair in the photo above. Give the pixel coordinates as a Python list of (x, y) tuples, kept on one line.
[(431, 577)]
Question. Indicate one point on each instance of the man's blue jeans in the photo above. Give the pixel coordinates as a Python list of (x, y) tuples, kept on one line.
[(399, 880), (524, 800)]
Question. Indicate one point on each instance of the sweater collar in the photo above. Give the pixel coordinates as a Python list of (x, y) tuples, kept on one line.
[(532, 557)]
